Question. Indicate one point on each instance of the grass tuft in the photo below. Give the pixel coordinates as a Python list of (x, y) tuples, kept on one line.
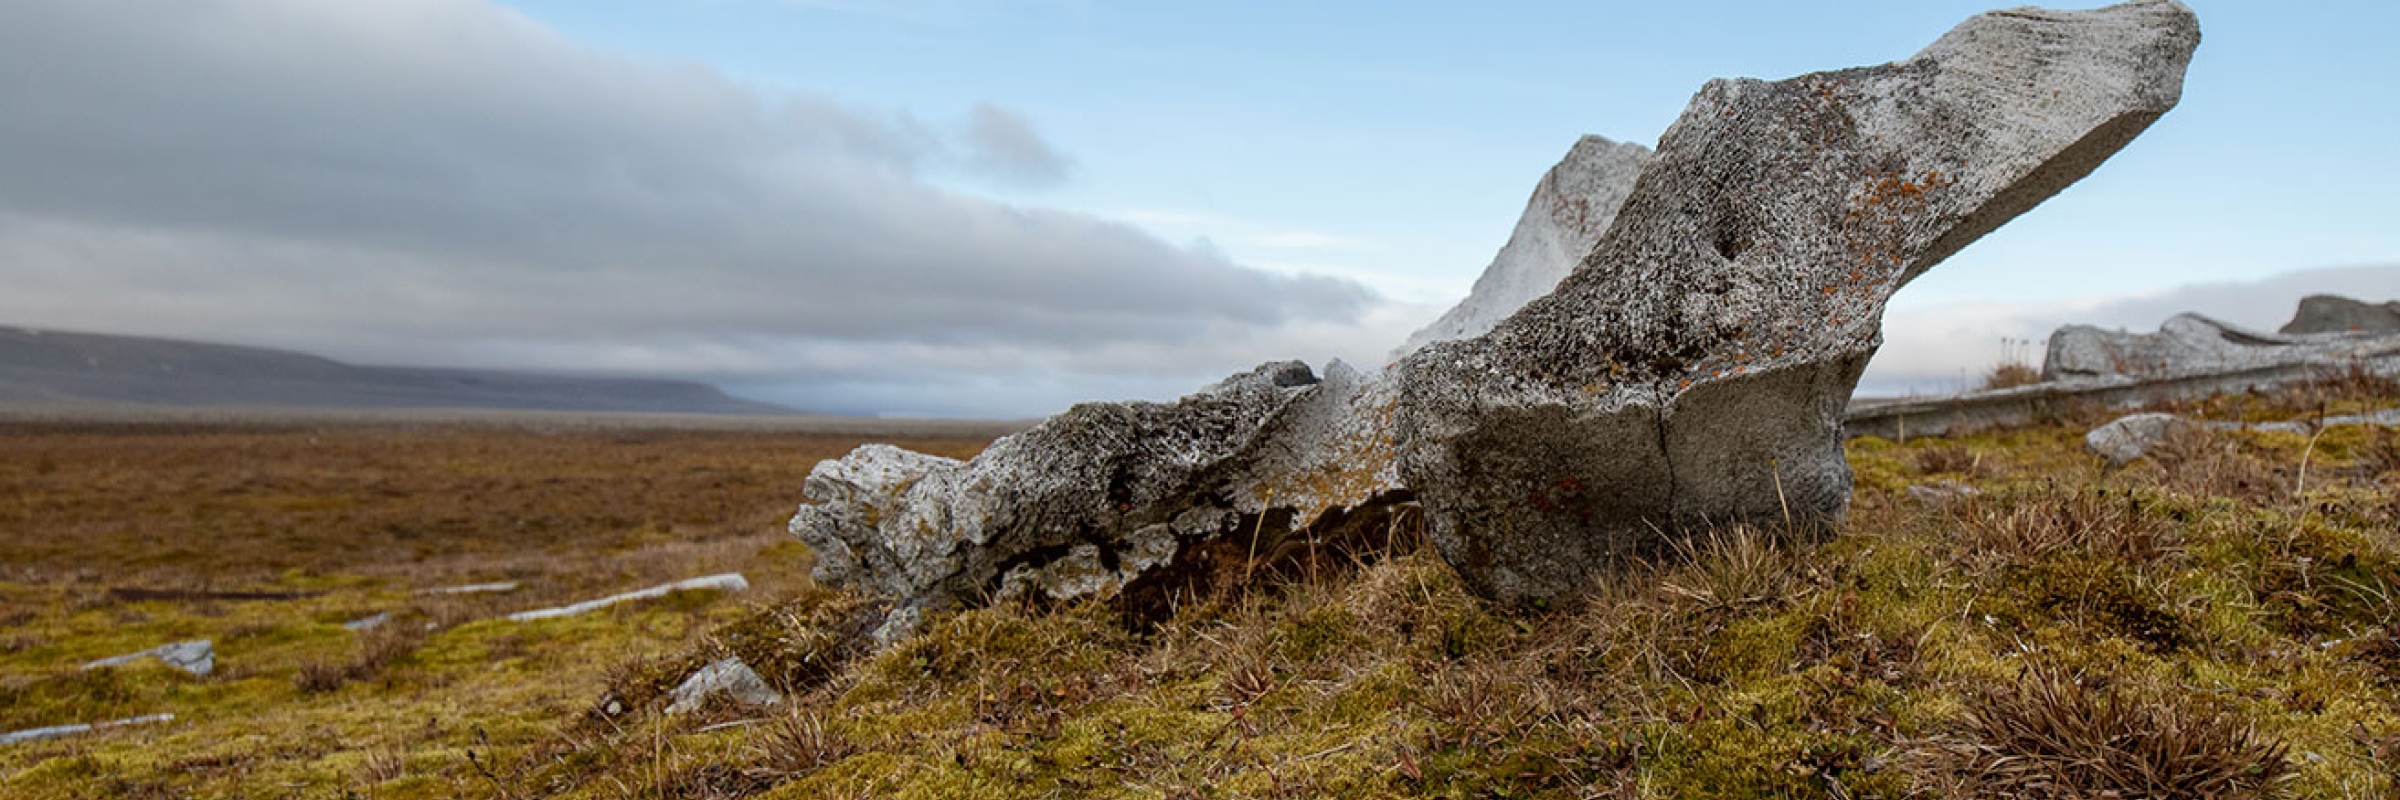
[(2055, 735)]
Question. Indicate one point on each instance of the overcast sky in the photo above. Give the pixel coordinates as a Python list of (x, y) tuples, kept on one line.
[(998, 207)]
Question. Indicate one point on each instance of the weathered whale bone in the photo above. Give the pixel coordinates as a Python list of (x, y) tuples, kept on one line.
[(2192, 344), (2189, 357), (1695, 367), (2333, 313), (1574, 203), (1691, 369)]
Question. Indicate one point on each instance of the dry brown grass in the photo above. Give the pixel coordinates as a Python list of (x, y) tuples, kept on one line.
[(1949, 459), (1880, 660), (795, 742), (2011, 375), (2015, 367), (178, 507), (266, 539), (2048, 521), (1731, 568), (2207, 462), (377, 649), (2054, 736)]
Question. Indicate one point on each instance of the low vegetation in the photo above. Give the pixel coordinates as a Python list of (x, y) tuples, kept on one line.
[(2215, 621), (2014, 369), (266, 540)]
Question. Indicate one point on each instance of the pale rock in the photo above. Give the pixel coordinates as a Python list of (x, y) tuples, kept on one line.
[(498, 587), (2388, 417), (2130, 437), (198, 657), (1942, 493), (63, 731), (728, 582), (728, 677), (367, 623)]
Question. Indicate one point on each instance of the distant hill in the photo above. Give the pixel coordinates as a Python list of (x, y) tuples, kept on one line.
[(61, 368)]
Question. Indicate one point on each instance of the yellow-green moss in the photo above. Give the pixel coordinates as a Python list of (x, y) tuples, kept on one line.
[(1384, 679)]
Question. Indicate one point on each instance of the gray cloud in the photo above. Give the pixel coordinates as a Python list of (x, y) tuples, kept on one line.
[(1942, 348), (445, 181), (1003, 145)]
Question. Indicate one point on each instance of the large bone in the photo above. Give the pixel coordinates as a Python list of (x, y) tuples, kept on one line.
[(1574, 203), (1695, 367), (1692, 368)]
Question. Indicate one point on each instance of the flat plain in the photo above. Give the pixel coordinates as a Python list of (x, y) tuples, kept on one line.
[(2001, 615), (118, 535)]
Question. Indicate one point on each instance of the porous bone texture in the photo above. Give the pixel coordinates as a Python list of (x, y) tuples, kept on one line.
[(1091, 499), (1575, 202), (1695, 366)]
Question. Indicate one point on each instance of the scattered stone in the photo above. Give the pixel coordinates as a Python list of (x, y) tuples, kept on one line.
[(1691, 368), (2327, 313), (501, 587), (1941, 493), (730, 582), (198, 657), (365, 624), (728, 677), (62, 731), (2130, 437), (1575, 203)]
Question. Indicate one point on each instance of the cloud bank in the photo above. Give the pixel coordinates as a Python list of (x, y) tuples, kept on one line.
[(447, 182)]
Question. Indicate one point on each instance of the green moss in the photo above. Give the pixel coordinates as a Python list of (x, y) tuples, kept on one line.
[(1382, 679), (1316, 633)]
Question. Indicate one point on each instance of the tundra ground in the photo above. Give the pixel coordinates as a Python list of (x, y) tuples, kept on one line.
[(2216, 620)]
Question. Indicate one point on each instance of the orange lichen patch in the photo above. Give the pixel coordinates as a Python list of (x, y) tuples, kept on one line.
[(1879, 207), (1576, 214), (1894, 188)]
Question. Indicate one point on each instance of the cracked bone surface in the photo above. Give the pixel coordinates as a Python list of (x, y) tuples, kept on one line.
[(1690, 369)]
